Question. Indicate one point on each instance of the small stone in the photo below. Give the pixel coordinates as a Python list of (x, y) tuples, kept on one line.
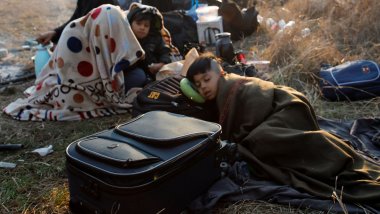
[(7, 90), (7, 165), (3, 53)]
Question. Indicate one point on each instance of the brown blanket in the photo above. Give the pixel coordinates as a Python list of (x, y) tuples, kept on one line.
[(277, 133)]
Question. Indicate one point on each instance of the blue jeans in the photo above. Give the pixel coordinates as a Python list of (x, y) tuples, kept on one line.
[(134, 78)]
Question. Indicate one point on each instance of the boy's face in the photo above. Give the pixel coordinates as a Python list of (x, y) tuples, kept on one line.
[(140, 28), (207, 84)]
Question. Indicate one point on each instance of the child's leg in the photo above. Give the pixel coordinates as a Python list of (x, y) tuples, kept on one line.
[(134, 78)]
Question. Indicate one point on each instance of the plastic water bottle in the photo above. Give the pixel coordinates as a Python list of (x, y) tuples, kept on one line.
[(290, 24), (305, 32), (260, 19), (41, 59), (3, 53), (281, 24), (270, 23)]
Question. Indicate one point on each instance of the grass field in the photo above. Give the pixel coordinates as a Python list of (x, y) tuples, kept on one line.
[(341, 30)]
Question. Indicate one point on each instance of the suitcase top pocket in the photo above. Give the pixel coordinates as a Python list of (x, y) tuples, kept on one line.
[(164, 128), (115, 153)]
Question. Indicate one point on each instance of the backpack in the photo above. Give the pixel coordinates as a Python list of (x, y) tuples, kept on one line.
[(166, 95), (354, 80), (182, 28), (182, 4), (239, 23), (187, 4), (161, 5)]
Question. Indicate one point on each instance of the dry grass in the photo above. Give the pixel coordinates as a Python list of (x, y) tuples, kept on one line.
[(341, 30), (261, 207)]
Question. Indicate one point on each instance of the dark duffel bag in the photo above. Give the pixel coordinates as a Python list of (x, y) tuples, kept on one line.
[(161, 5), (182, 28), (354, 80), (239, 23), (166, 95), (156, 163)]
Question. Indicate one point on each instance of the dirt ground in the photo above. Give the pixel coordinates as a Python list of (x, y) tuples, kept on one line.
[(21, 20)]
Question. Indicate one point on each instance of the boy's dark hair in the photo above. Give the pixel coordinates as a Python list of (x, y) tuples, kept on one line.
[(203, 64), (139, 14), (141, 17)]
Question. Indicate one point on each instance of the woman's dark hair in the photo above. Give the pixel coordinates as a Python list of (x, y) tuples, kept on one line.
[(201, 65)]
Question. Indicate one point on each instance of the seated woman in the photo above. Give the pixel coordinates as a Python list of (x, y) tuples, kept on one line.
[(278, 135), (82, 8), (86, 74)]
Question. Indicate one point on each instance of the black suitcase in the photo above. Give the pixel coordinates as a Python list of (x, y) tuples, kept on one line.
[(156, 163)]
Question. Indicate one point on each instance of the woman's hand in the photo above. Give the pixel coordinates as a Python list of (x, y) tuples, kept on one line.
[(46, 37), (155, 67)]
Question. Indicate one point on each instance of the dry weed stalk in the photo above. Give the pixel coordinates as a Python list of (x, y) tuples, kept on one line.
[(339, 198)]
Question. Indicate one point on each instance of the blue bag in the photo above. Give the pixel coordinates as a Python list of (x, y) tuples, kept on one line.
[(191, 12), (354, 80)]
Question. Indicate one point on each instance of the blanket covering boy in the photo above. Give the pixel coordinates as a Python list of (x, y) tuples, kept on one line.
[(279, 136), (84, 77)]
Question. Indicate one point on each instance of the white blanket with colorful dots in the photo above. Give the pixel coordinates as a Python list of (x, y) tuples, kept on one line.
[(84, 77)]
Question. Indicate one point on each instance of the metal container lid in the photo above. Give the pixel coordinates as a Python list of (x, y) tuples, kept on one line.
[(222, 35)]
